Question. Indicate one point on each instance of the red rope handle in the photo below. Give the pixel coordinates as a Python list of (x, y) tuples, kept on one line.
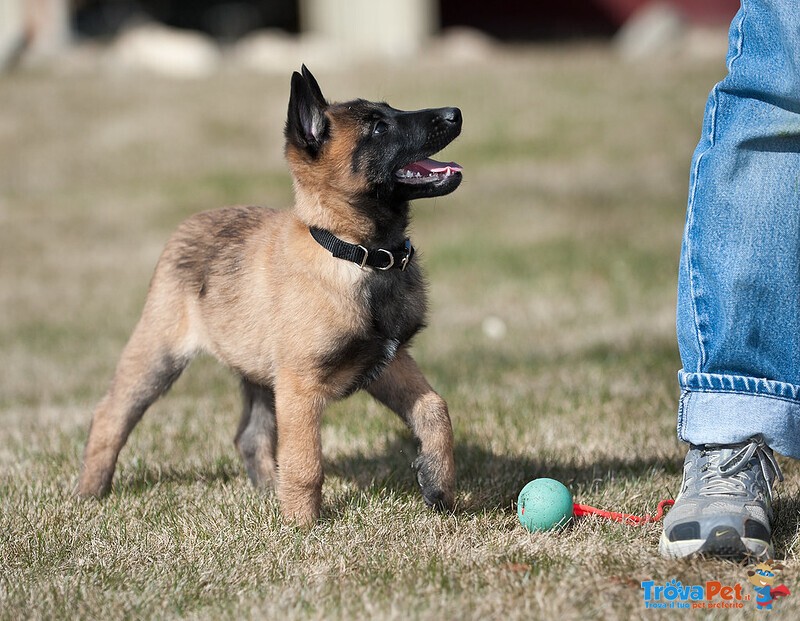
[(625, 518)]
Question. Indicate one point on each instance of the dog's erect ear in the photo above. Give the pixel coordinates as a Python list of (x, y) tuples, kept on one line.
[(312, 83), (306, 123)]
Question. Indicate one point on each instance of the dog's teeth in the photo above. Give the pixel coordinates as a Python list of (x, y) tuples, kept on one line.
[(420, 177)]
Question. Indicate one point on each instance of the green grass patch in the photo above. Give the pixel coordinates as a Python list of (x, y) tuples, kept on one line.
[(551, 335)]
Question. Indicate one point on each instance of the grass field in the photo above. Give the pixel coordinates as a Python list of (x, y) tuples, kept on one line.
[(551, 335)]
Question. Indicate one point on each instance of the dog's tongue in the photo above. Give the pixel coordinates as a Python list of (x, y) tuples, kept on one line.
[(429, 167)]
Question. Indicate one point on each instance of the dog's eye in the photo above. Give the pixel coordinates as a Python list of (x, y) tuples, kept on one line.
[(381, 127)]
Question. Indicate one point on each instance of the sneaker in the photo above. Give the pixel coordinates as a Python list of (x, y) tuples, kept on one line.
[(724, 508)]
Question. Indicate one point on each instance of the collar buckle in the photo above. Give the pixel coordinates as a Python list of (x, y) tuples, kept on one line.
[(391, 260), (408, 252), (364, 260)]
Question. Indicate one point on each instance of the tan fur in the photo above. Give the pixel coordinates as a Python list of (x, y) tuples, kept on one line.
[(250, 286), (335, 182)]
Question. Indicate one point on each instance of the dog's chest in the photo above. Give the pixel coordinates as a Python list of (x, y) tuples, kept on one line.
[(396, 304), (395, 308)]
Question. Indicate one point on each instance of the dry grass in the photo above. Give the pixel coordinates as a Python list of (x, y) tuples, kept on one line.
[(566, 229)]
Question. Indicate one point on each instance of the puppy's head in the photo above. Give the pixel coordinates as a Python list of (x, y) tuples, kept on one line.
[(367, 152)]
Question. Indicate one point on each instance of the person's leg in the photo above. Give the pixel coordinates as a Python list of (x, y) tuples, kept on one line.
[(739, 285), (739, 289)]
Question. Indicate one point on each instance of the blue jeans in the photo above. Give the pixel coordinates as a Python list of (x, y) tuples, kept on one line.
[(739, 283)]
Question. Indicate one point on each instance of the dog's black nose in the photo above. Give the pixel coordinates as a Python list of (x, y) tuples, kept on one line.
[(452, 115)]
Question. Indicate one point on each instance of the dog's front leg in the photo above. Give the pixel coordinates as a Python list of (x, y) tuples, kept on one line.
[(404, 389), (298, 413)]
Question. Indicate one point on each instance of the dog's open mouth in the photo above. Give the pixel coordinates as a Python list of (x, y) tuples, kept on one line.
[(426, 171)]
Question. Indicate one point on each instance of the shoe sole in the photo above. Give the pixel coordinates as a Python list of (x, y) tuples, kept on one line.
[(726, 546)]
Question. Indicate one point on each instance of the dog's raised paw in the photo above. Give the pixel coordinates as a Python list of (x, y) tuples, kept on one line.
[(433, 493)]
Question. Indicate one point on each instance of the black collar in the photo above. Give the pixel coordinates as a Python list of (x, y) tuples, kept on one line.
[(379, 258)]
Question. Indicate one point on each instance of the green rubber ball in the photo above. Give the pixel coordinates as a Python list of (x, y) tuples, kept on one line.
[(544, 504)]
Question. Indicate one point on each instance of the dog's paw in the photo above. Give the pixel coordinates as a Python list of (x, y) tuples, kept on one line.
[(262, 474), (300, 501), (435, 492), (94, 484)]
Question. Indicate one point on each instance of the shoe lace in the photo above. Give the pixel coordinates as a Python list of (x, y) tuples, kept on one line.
[(730, 476)]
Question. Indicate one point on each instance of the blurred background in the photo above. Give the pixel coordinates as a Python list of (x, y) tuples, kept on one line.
[(120, 118), (42, 28)]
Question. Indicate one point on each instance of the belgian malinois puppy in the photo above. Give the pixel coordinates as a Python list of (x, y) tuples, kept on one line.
[(306, 305)]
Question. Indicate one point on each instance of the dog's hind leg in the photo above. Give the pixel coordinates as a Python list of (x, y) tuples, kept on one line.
[(404, 389), (149, 365), (256, 437)]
